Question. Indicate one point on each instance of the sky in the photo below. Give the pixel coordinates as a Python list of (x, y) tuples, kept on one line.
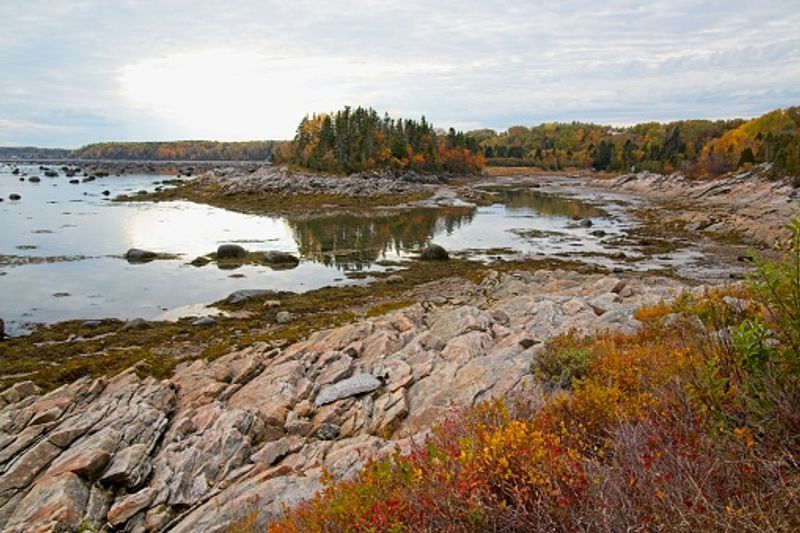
[(74, 72)]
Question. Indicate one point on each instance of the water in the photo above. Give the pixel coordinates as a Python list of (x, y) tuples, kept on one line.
[(61, 246)]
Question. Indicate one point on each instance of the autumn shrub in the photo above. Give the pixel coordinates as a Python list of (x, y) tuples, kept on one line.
[(668, 472), (650, 313), (689, 424), (563, 360)]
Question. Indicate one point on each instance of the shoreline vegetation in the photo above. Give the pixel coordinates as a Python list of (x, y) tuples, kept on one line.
[(689, 423), (349, 141)]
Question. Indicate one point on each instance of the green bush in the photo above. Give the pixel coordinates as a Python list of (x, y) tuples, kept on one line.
[(564, 359)]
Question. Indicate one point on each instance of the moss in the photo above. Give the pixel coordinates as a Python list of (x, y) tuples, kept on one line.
[(60, 353), (388, 307)]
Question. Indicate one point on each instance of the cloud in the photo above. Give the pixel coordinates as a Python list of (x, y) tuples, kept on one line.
[(144, 69)]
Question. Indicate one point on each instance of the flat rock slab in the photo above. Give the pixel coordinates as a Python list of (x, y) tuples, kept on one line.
[(358, 384)]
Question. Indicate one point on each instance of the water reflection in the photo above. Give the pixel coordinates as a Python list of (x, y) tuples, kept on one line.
[(354, 241), (545, 204), (64, 238)]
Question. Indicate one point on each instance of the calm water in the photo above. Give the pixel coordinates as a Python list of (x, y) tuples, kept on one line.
[(61, 245)]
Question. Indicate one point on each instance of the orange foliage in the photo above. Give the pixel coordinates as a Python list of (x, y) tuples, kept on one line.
[(654, 436)]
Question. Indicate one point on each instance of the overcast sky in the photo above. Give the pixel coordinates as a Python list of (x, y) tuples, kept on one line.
[(80, 71)]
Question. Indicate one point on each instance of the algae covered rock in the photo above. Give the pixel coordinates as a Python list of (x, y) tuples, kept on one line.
[(231, 251), (434, 252)]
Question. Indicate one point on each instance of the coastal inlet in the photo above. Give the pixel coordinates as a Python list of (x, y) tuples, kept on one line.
[(63, 244)]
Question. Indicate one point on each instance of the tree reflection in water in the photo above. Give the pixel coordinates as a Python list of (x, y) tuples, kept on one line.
[(355, 241), (545, 204)]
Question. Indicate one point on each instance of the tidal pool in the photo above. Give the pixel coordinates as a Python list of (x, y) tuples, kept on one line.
[(61, 245)]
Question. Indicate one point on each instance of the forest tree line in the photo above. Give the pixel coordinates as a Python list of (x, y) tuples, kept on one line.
[(178, 151), (694, 147), (355, 140)]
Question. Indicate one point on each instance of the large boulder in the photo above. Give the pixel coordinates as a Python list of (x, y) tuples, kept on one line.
[(231, 251), (434, 252)]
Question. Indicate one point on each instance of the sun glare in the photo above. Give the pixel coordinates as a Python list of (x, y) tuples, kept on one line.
[(229, 93)]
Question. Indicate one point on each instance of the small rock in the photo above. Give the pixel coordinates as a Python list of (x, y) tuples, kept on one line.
[(200, 261), (328, 432), (75, 181), (20, 391), (238, 297), (136, 323), (276, 450), (526, 343), (136, 255), (395, 278), (106, 193), (85, 464), (204, 321), (598, 233), (231, 251), (304, 408), (129, 468), (272, 303), (358, 384), (91, 324), (434, 252), (737, 305), (14, 196), (35, 179), (2, 329), (284, 317), (280, 258), (125, 507), (585, 223)]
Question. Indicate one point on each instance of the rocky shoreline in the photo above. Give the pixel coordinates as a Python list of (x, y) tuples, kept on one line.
[(745, 203), (242, 435), (250, 431), (282, 180), (745, 206)]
